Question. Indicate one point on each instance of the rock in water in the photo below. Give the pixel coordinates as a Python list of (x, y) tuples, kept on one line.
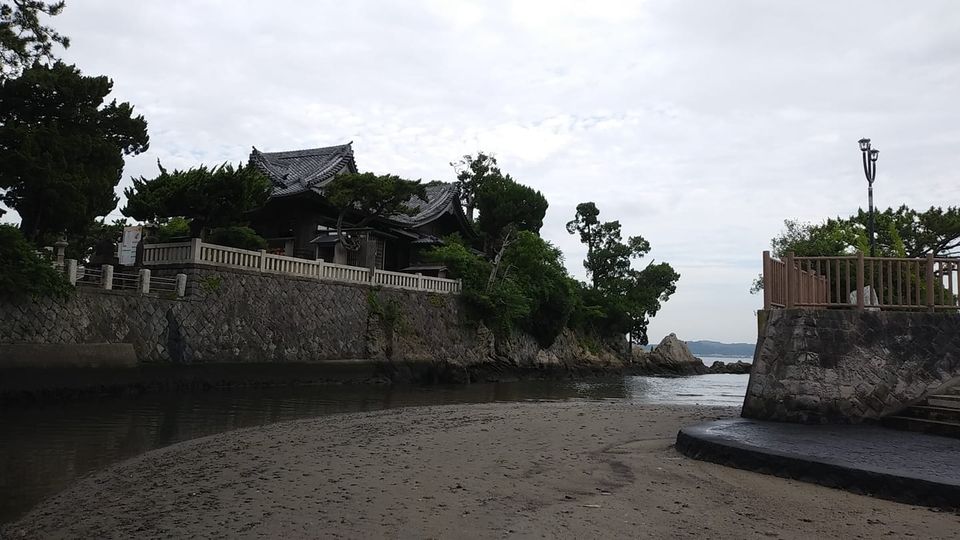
[(735, 368), (672, 356)]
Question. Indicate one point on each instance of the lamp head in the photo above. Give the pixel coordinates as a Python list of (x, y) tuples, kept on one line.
[(864, 145), (874, 154)]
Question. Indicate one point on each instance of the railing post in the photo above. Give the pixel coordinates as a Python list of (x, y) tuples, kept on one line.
[(107, 277), (195, 244), (263, 259), (419, 281), (71, 270), (930, 282), (144, 281), (766, 280), (459, 285), (860, 278), (791, 279), (181, 285), (320, 268)]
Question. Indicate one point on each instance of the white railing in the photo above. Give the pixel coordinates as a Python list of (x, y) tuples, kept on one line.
[(197, 252), (106, 278)]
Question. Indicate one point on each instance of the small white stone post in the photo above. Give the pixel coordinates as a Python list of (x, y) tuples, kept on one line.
[(263, 259), (195, 244), (71, 270), (419, 281), (181, 285), (61, 246), (459, 285), (320, 268), (144, 281), (107, 278)]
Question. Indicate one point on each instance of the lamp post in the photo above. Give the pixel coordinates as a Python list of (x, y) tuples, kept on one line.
[(870, 171)]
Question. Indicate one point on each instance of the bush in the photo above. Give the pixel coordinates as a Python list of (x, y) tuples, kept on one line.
[(23, 272), (238, 237)]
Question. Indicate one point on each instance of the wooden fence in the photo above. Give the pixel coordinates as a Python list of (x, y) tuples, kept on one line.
[(197, 252), (860, 282)]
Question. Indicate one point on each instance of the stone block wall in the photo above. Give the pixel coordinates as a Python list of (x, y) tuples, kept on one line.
[(236, 316), (849, 366)]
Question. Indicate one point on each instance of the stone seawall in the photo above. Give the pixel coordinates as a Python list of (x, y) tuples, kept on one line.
[(239, 317), (849, 366)]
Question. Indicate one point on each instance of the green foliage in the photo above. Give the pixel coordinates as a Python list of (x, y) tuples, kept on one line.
[(23, 39), (371, 196), (24, 273), (472, 173), (901, 232), (238, 237), (211, 284), (62, 149), (389, 313), (608, 257), (621, 299), (507, 205), (209, 198), (532, 290), (172, 229)]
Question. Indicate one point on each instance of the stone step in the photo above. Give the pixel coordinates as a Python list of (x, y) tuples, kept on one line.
[(933, 427), (927, 412), (950, 401)]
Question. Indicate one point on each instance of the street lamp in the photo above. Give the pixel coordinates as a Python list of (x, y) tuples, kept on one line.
[(870, 171)]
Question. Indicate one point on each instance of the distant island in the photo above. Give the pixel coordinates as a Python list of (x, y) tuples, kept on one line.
[(716, 348)]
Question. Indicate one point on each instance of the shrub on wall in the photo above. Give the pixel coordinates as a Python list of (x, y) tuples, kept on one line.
[(238, 237), (23, 272)]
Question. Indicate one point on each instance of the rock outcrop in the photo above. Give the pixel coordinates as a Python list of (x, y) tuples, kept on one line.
[(673, 357), (734, 368)]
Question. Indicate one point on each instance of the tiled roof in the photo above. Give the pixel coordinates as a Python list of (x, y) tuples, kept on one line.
[(439, 197), (302, 170)]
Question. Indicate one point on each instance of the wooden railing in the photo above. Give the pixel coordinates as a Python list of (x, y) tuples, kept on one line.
[(197, 252), (859, 282)]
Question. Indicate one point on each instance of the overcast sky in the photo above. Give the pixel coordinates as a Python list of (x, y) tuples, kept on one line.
[(699, 125)]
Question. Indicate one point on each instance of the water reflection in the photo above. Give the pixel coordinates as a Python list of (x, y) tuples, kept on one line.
[(44, 448)]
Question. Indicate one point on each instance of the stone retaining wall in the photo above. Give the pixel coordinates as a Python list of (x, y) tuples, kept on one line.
[(848, 365), (246, 317)]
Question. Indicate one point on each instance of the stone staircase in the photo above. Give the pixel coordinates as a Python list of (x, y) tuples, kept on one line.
[(939, 414)]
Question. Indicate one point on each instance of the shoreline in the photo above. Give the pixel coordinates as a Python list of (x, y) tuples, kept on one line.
[(585, 469), (34, 385)]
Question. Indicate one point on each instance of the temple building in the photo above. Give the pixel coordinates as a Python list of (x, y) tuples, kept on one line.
[(298, 221)]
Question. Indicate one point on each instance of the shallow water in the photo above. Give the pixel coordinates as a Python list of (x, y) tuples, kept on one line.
[(45, 448)]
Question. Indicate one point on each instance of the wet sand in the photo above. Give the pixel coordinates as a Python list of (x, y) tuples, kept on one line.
[(531, 470)]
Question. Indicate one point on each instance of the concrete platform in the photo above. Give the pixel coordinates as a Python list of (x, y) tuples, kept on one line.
[(901, 466)]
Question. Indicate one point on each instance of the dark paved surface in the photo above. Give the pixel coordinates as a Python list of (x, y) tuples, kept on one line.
[(898, 465)]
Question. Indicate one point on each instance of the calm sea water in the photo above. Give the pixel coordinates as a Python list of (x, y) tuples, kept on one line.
[(45, 448)]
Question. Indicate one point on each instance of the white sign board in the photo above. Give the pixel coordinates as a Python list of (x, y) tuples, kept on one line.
[(127, 253)]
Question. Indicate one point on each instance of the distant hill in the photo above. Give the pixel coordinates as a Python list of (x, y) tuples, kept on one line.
[(715, 348)]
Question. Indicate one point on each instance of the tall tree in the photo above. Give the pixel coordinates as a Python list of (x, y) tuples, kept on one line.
[(62, 149), (24, 40), (363, 197), (504, 205), (622, 299), (209, 198), (472, 173)]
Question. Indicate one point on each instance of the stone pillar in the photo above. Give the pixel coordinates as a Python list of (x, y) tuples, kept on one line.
[(107, 277), (320, 268), (144, 281), (71, 271), (61, 247), (195, 245), (263, 259), (419, 281), (181, 285)]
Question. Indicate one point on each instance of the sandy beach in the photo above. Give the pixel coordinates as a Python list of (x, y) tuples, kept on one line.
[(532, 470)]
